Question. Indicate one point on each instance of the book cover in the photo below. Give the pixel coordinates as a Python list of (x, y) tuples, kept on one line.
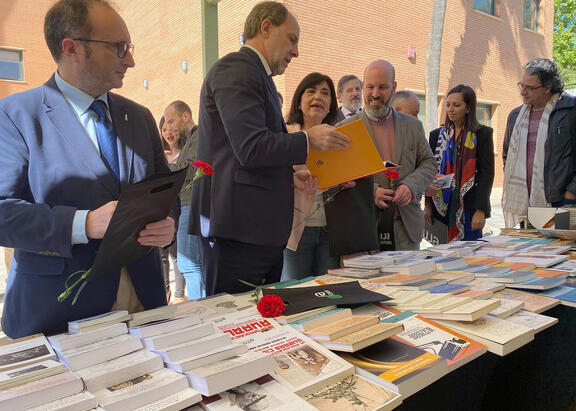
[(507, 308), (264, 393), (368, 261), (207, 357), (538, 283), (362, 338), (537, 322), (307, 298), (540, 260), (164, 312), (30, 372), (469, 311), (548, 273), (110, 317), (413, 267), (428, 335), (25, 351), (81, 401), (321, 319), (194, 348), (179, 337), (532, 302), (354, 393), (451, 288), (362, 158), (516, 266), (67, 341), (152, 329), (400, 279), (181, 400)]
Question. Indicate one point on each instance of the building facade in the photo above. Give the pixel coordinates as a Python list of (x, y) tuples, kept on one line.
[(485, 44)]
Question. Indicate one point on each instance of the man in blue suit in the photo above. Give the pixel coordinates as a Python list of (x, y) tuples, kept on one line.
[(68, 148), (244, 211)]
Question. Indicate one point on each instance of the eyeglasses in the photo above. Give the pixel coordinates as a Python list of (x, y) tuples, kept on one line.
[(521, 86), (122, 47)]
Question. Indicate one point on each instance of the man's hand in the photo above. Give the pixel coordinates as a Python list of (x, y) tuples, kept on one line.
[(478, 220), (325, 137), (403, 195), (569, 196), (305, 181), (432, 190), (348, 184), (97, 220), (158, 234), (382, 196)]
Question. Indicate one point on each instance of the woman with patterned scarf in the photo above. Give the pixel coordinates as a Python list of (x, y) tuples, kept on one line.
[(464, 148)]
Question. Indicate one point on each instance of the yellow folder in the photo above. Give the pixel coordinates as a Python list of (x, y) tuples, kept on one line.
[(359, 160)]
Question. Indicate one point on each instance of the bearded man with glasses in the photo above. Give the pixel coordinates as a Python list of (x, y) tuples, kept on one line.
[(69, 147), (540, 144)]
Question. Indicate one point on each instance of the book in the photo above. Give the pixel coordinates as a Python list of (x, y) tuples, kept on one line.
[(81, 401), (195, 307), (209, 356), (307, 298), (342, 327), (352, 272), (263, 393), (495, 252), (164, 326), (424, 301), (180, 400), (194, 348), (428, 335), (444, 305), (537, 322), (477, 294), (405, 297), (41, 391), (491, 272), (320, 319), (100, 351), (98, 321), (539, 283), (398, 255), (568, 266), (448, 263), (532, 302), (423, 285), (67, 341), (361, 158), (516, 266), (223, 375), (506, 245), (451, 288), (164, 312), (354, 393), (500, 337), (566, 295), (179, 337), (486, 286), (549, 273), (459, 278), (547, 249), (140, 391), (412, 267), (368, 261), (120, 369), (400, 279), (30, 372), (507, 308), (25, 351), (483, 260), (378, 309), (362, 338), (398, 366), (539, 260), (510, 277), (469, 311)]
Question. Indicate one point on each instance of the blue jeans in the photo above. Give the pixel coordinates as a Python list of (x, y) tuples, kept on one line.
[(189, 261), (311, 258)]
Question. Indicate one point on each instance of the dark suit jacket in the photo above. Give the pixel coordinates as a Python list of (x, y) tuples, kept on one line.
[(478, 197), (242, 134), (49, 169)]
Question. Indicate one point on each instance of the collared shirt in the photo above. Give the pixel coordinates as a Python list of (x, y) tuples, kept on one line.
[(385, 135), (347, 113), (262, 59), (80, 103)]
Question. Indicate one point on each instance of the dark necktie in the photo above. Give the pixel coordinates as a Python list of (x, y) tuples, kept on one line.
[(106, 138)]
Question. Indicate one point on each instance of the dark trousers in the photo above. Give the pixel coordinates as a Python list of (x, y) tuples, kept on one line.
[(226, 261)]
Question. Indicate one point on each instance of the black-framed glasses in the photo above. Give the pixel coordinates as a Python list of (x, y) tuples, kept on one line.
[(522, 86), (122, 47)]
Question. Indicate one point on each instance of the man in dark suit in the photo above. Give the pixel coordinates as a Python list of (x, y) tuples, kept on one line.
[(69, 146), (244, 211), (349, 93)]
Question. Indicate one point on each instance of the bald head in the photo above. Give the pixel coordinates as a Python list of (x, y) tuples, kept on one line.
[(406, 102), (379, 86)]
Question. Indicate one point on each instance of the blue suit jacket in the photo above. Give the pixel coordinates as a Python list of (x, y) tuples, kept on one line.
[(49, 169), (242, 134)]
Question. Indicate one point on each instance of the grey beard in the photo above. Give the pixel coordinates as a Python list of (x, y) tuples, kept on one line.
[(353, 107), (378, 113)]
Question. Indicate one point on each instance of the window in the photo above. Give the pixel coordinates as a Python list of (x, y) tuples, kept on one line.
[(11, 66), (484, 114), (531, 11), (486, 6), (422, 113)]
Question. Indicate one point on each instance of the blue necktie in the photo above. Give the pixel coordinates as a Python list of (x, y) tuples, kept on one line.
[(106, 138)]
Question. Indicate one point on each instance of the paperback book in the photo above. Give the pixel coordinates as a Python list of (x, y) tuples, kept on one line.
[(24, 351)]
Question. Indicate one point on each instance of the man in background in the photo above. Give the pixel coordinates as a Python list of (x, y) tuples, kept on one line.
[(349, 93), (406, 102), (178, 116)]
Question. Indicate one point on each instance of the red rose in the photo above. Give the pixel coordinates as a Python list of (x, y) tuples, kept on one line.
[(392, 174), (271, 306), (206, 168)]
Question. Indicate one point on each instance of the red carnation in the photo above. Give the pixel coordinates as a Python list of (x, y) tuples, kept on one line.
[(206, 168), (271, 306), (392, 174)]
